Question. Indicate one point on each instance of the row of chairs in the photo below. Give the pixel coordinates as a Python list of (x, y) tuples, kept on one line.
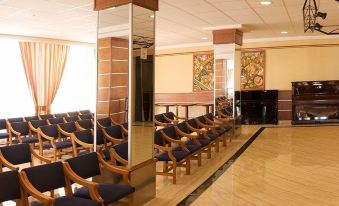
[(180, 143), (167, 119), (37, 180)]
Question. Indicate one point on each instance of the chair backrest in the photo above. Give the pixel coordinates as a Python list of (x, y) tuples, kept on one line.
[(122, 150), (170, 132), (100, 137), (56, 120), (68, 127), (21, 127), (202, 119), (114, 131), (105, 122), (125, 125), (71, 118), (31, 118), (86, 165), (160, 118), (84, 136), (2, 124), (85, 116), (17, 154), (169, 115), (10, 186), (210, 116), (72, 114), (84, 112), (46, 116), (50, 130), (182, 126), (46, 177), (193, 123), (17, 119), (158, 140), (38, 123), (60, 115), (86, 123)]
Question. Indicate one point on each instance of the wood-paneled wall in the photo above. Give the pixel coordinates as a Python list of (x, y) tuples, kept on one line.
[(285, 104), (112, 78)]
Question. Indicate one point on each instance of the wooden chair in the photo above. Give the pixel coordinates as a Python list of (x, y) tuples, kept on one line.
[(171, 117), (104, 122), (66, 129), (10, 188), (14, 155), (199, 138), (85, 116), (55, 120), (80, 168), (31, 118), (72, 114), (193, 146), (16, 119), (115, 134), (84, 140), (84, 124), (159, 120), (71, 119), (38, 180), (119, 154), (35, 124), (19, 132), (217, 129), (60, 115), (49, 137), (226, 124), (46, 116), (172, 157)]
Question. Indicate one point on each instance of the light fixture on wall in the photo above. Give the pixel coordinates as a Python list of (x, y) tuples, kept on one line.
[(310, 14), (265, 3)]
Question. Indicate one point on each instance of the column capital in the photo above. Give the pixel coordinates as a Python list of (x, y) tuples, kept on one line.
[(105, 4), (227, 36)]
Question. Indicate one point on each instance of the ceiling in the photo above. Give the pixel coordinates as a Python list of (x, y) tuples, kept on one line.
[(177, 22)]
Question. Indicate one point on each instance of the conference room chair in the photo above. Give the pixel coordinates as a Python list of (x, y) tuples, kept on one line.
[(84, 124), (194, 138), (66, 129), (3, 130), (55, 120), (214, 137), (85, 116), (38, 180), (216, 129), (159, 120), (171, 117), (194, 147), (171, 156), (49, 138), (60, 115), (16, 119), (46, 116), (115, 134), (35, 124), (80, 168), (31, 118), (83, 142), (226, 124), (72, 114), (105, 122), (19, 132), (119, 154), (71, 119), (13, 156), (10, 189)]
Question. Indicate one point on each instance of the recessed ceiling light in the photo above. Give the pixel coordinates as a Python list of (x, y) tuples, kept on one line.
[(284, 32), (265, 3), (204, 38), (152, 16), (112, 8)]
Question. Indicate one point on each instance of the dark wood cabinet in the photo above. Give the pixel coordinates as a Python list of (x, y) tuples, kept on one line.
[(315, 102)]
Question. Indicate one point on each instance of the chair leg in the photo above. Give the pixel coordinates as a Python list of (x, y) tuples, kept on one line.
[(209, 151), (199, 159), (55, 155), (174, 173), (217, 145), (224, 141), (165, 166), (188, 166)]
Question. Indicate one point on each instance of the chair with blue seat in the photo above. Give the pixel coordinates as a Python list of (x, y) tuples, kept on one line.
[(192, 145), (58, 115), (119, 154), (10, 188), (115, 134), (19, 132), (46, 116), (66, 129), (71, 118), (58, 120), (171, 117), (227, 124), (83, 142), (84, 124), (194, 137), (104, 122), (35, 124), (31, 118), (38, 180), (3, 130), (50, 138), (215, 128), (13, 156), (80, 168), (171, 156), (72, 114)]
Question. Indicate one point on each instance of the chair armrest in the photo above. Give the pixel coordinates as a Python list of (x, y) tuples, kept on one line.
[(156, 122), (6, 163), (192, 128), (11, 130), (63, 131), (114, 122), (174, 121), (112, 168), (74, 140), (45, 136), (181, 133), (124, 130), (92, 186), (177, 117), (165, 149), (32, 128), (39, 157), (117, 157), (204, 125), (77, 125), (30, 189), (112, 139)]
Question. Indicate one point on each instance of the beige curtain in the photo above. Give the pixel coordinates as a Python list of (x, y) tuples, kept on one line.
[(44, 65)]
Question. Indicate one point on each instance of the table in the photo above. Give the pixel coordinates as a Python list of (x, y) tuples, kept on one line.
[(207, 105), (186, 105), (166, 105)]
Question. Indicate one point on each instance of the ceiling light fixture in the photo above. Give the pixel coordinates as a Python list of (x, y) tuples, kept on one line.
[(204, 38), (152, 16), (284, 32), (265, 3)]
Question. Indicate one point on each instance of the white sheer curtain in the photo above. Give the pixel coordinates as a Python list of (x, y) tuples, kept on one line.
[(77, 89), (15, 98)]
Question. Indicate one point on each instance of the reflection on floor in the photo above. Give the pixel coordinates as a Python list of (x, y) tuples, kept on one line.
[(170, 194), (283, 166)]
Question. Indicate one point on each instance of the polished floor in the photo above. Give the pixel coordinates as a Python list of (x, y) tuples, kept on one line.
[(284, 167)]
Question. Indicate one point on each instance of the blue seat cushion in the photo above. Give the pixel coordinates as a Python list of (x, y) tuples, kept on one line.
[(59, 145), (70, 201), (29, 140), (106, 154), (192, 146), (178, 153), (109, 192)]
